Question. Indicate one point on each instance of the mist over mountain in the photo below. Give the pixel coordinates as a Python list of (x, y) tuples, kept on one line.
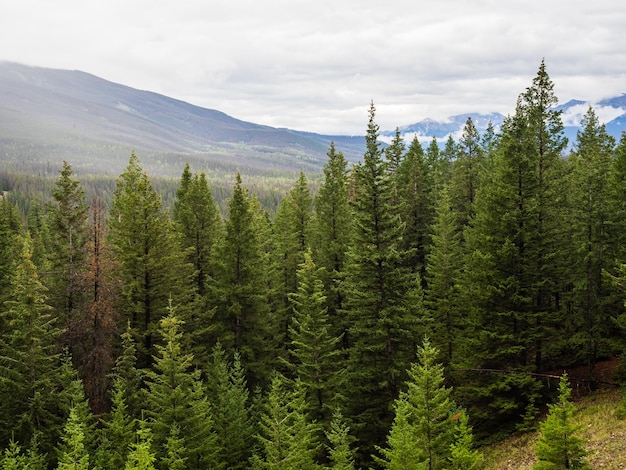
[(49, 115)]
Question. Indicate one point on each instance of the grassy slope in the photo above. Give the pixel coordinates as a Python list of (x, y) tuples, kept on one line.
[(606, 437)]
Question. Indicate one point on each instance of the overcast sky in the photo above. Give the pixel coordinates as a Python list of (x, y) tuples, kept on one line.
[(315, 65)]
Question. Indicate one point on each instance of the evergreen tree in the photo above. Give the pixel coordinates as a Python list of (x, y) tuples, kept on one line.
[(73, 455), (229, 398), (69, 234), (199, 222), (402, 453), (292, 231), (175, 397), (617, 204), (416, 190), (591, 163), (315, 357), (558, 447), (463, 456), (383, 326), (127, 379), (10, 228), (340, 453), (514, 272), (333, 232), (443, 273), (30, 359), (466, 171), (242, 312), (141, 456), (37, 225), (287, 438), (394, 153), (117, 432), (151, 267), (424, 433)]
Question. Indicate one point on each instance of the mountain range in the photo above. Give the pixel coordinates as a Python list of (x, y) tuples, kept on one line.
[(50, 115)]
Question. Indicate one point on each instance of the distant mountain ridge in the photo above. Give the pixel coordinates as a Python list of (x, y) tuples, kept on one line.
[(62, 114), (48, 115), (611, 111)]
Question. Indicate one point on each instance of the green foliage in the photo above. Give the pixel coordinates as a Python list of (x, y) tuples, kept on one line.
[(315, 353), (198, 221), (428, 431), (340, 453), (332, 222), (590, 241), (29, 359), (175, 397), (69, 236), (141, 456), (287, 438), (240, 290), (73, 455), (151, 265), (382, 324), (558, 446), (462, 454), (443, 273), (230, 410)]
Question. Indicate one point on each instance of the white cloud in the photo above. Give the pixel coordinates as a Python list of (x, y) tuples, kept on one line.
[(316, 65)]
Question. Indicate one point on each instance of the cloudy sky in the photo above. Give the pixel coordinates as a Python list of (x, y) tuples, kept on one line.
[(315, 65)]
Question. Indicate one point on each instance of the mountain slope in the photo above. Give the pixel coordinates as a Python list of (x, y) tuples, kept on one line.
[(47, 115)]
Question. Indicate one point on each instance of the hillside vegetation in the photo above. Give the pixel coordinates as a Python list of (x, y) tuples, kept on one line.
[(605, 435)]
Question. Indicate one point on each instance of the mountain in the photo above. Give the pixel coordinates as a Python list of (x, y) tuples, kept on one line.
[(611, 111), (47, 115), (429, 128)]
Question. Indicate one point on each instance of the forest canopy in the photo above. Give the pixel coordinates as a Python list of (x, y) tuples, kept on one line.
[(394, 313)]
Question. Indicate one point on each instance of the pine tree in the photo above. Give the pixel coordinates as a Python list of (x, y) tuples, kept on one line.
[(591, 162), (141, 456), (199, 222), (558, 447), (175, 397), (332, 213), (292, 231), (443, 273), (10, 228), (340, 453), (402, 453), (117, 431), (463, 456), (73, 455), (151, 267), (382, 324), (174, 451), (515, 269), (242, 313), (30, 357), (69, 234), (466, 173), (315, 353), (229, 398), (424, 433), (287, 438), (416, 191)]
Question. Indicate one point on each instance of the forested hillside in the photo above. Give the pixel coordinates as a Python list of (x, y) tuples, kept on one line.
[(397, 313)]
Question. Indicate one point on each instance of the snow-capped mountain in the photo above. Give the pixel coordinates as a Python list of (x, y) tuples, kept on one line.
[(611, 111)]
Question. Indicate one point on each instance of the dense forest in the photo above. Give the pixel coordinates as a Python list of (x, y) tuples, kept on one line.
[(397, 313)]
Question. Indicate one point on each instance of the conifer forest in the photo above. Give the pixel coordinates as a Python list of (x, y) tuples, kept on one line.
[(399, 313)]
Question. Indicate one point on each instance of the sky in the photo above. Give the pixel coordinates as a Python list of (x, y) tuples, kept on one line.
[(316, 65)]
